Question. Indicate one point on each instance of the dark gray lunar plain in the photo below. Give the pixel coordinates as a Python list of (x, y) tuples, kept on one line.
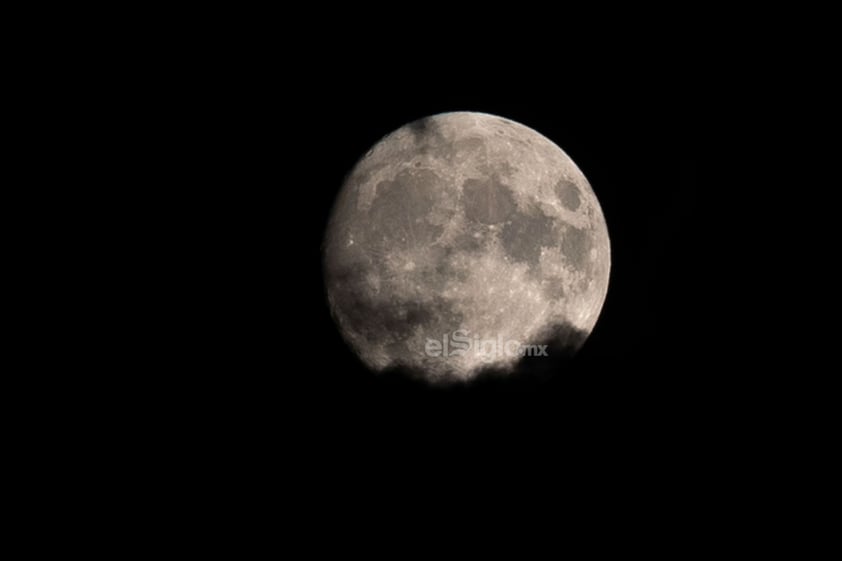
[(467, 224)]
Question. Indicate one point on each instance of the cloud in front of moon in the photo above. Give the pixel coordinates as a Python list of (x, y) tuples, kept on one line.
[(458, 230)]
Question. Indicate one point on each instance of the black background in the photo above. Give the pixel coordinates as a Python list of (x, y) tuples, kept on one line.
[(248, 132), (243, 374), (251, 380)]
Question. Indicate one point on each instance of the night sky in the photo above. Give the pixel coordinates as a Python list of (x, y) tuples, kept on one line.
[(246, 393)]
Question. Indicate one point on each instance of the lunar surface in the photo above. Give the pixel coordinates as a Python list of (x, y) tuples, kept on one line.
[(461, 244)]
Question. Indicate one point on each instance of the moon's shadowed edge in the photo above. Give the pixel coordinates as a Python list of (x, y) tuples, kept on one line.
[(562, 342)]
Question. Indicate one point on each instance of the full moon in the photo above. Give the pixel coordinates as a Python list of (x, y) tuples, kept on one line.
[(465, 243)]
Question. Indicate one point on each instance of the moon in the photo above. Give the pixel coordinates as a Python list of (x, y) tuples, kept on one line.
[(465, 243)]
